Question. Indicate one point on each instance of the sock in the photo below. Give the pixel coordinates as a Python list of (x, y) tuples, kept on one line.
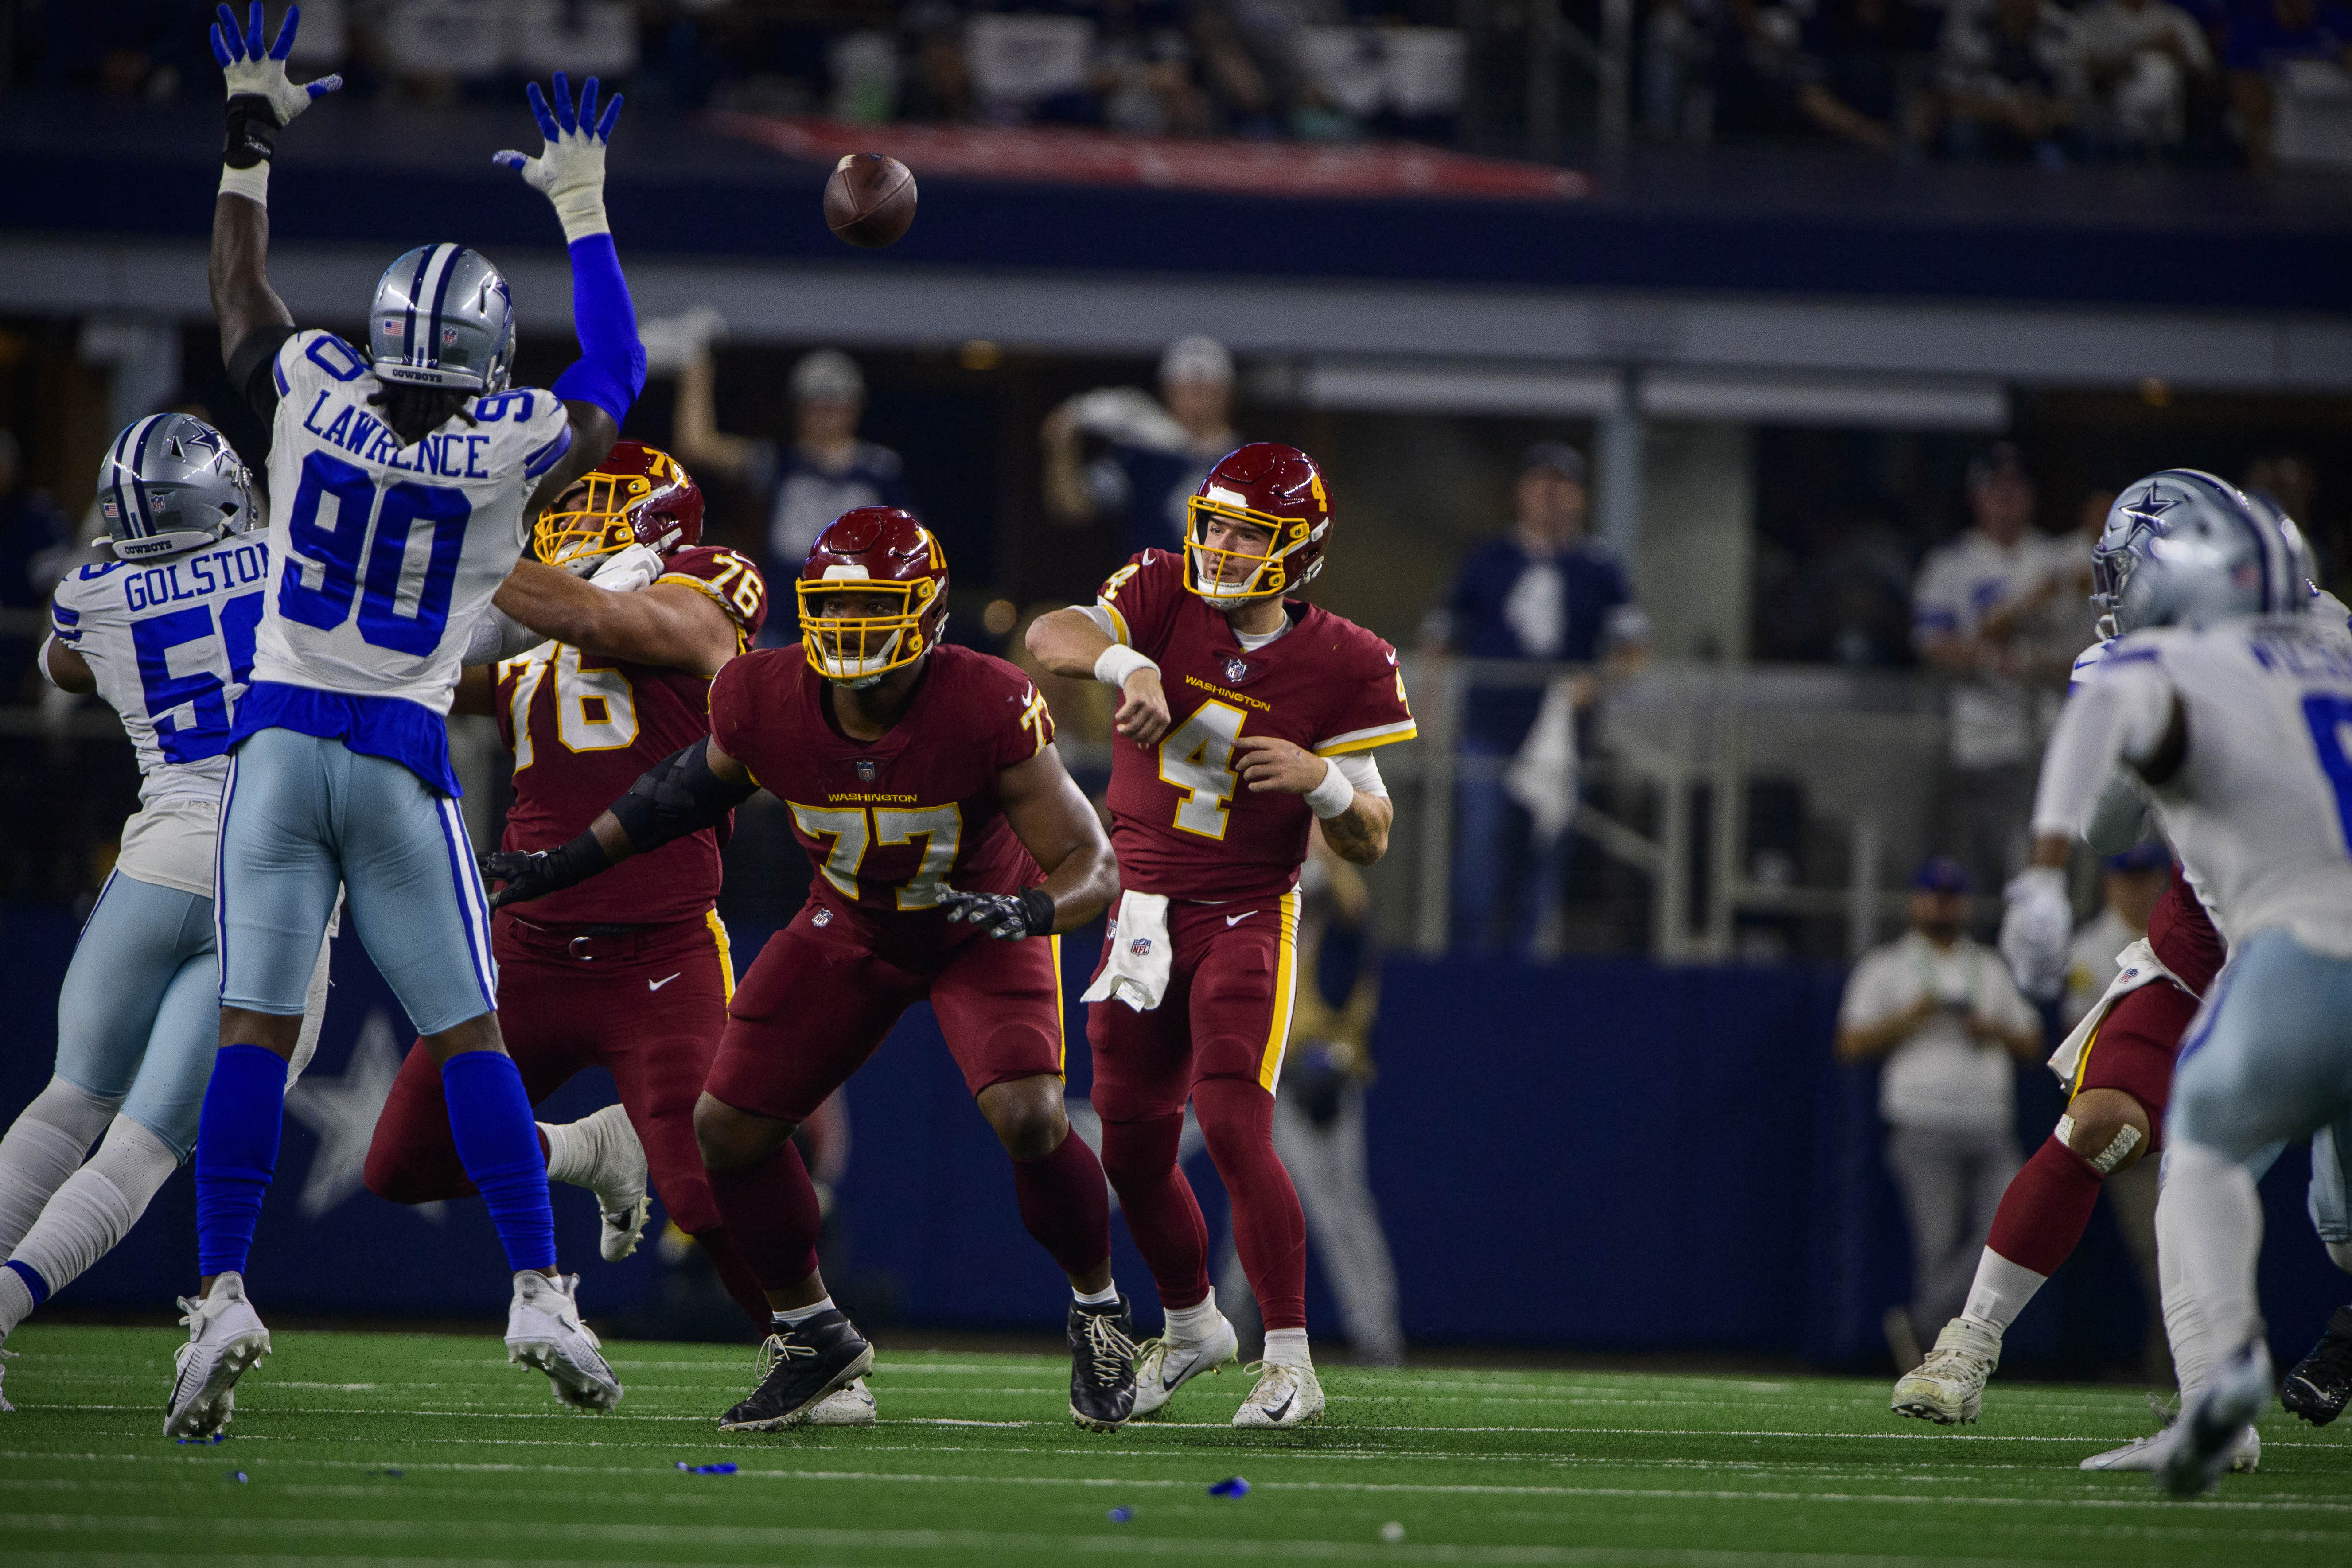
[(1269, 1227), (1195, 1323), (490, 1121), (1107, 1296), (786, 1318), (770, 1212), (236, 1152), (22, 1290), (42, 1149), (2208, 1230), (1065, 1205), (569, 1156), (2001, 1289), (1163, 1214), (95, 1209), (2042, 1214), (1286, 1347), (735, 1274)]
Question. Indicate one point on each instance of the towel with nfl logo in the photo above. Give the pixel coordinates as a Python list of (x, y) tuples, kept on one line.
[(1136, 972)]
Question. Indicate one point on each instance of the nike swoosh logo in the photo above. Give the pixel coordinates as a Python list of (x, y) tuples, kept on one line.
[(1281, 1410), (658, 985), (1232, 921)]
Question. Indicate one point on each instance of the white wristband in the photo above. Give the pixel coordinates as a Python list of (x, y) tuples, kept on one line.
[(252, 184), (1333, 795), (1118, 661)]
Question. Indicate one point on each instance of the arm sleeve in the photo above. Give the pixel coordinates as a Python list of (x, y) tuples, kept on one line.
[(1361, 771), (1101, 618), (610, 369), (253, 368), (2119, 715)]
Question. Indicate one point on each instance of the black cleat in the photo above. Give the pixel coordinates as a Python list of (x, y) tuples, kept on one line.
[(797, 1370), (2321, 1383), (1102, 1365)]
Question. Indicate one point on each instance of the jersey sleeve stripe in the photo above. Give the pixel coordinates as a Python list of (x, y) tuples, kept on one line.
[(1365, 740), (547, 457), (65, 617), (1118, 627), (721, 600)]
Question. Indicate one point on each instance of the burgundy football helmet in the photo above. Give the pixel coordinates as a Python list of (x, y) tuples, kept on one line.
[(1272, 486), (883, 556), (637, 495)]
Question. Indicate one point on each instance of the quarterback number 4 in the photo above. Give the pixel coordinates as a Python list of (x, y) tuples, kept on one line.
[(1197, 759), (856, 831)]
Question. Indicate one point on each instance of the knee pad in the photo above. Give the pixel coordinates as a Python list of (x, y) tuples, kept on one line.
[(2119, 1148)]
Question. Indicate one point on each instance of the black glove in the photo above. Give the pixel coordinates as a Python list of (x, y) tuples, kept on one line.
[(535, 873), (1008, 917)]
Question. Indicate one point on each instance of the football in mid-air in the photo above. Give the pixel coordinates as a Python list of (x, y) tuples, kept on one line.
[(870, 200)]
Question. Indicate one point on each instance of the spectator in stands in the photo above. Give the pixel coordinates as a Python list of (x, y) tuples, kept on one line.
[(2129, 885), (1154, 455), (1981, 613), (1853, 86), (823, 471), (939, 80), (1545, 591), (2009, 80), (2141, 58), (2268, 38), (1944, 1015), (33, 532)]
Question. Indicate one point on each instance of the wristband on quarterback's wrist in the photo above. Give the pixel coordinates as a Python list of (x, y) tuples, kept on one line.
[(1117, 662), (1334, 795)]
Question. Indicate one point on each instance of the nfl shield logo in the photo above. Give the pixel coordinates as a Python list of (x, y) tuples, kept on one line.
[(1236, 670), (865, 771), (1140, 946), (822, 918)]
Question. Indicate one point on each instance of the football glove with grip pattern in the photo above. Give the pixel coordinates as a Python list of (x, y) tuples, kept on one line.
[(1008, 917), (261, 101), (569, 173), (2035, 930)]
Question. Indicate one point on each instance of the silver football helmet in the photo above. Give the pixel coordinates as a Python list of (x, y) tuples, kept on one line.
[(442, 317), (2184, 548), (171, 482)]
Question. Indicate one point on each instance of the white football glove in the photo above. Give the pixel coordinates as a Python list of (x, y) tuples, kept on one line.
[(2036, 929), (248, 69), (571, 172), (626, 571)]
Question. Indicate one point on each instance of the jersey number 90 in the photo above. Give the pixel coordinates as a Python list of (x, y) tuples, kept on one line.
[(383, 581)]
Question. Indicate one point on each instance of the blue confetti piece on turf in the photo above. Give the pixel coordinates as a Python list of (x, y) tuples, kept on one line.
[(241, 1478), (202, 1442), (722, 1468), (1121, 1515), (1232, 1485)]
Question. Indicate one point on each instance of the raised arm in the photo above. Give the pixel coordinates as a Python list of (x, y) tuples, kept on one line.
[(262, 103), (1073, 644), (668, 623), (602, 385), (1062, 835), (695, 437), (691, 789)]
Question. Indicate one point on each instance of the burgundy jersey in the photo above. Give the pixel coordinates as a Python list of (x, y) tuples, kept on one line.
[(1181, 822), (886, 822), (582, 728), (2182, 936)]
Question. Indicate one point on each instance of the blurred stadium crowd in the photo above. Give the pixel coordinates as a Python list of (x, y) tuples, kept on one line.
[(2198, 82)]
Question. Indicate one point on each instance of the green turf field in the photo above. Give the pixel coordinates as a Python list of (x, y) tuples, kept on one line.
[(382, 1448)]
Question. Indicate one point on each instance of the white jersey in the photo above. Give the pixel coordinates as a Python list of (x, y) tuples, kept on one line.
[(2262, 806), (171, 644), (390, 554)]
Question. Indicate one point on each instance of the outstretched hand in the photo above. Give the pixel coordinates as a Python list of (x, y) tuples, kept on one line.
[(569, 172), (524, 872), (250, 70)]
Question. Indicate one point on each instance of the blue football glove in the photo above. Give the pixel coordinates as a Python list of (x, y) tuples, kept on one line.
[(571, 172), (261, 101), (1008, 917)]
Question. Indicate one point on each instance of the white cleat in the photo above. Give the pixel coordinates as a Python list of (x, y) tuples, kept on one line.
[(1948, 1386), (225, 1340), (1284, 1396), (851, 1405), (2211, 1427), (544, 1330), (2151, 1453), (1164, 1365), (618, 1180)]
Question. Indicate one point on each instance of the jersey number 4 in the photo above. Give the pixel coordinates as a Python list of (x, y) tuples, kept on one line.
[(1197, 759), (594, 709), (854, 832), (403, 604)]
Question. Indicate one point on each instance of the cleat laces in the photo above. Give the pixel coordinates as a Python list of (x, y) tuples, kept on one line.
[(1108, 1346), (778, 1350)]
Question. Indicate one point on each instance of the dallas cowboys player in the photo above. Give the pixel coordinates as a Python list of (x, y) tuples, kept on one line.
[(401, 481), (2234, 704), (164, 632)]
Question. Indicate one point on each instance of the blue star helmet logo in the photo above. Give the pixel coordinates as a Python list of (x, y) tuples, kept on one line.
[(2153, 506)]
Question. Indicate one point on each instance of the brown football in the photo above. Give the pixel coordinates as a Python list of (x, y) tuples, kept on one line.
[(870, 200)]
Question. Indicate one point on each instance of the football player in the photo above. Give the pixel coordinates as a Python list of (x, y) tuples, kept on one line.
[(923, 781), (2232, 702), (630, 972), (1247, 712), (164, 633), (401, 482)]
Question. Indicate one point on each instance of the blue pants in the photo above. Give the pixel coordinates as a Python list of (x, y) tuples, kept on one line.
[(139, 1015), (300, 815), (2270, 1057)]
